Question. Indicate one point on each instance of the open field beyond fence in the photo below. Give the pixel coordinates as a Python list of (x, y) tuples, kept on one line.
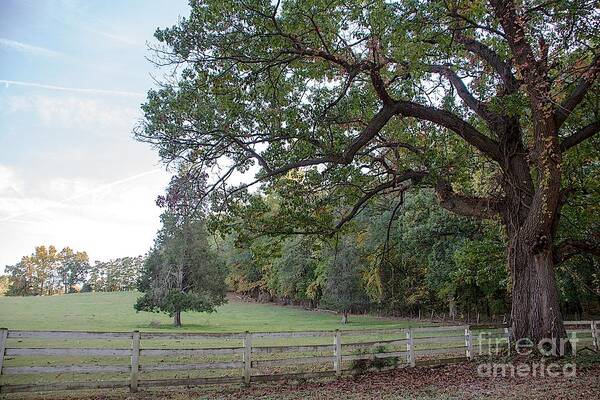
[(113, 311)]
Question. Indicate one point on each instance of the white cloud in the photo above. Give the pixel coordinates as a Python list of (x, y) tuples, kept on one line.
[(75, 112), (7, 83), (122, 39), (57, 193), (27, 48), (7, 179), (107, 220)]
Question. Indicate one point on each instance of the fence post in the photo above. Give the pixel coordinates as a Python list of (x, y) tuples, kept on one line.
[(469, 343), (595, 334), (247, 357), (410, 348), (507, 333), (135, 361), (337, 353), (3, 336)]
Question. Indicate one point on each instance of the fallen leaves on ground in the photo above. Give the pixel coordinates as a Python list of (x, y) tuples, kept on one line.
[(456, 381)]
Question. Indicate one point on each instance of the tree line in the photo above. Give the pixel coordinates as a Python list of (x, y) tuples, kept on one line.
[(48, 271), (411, 261), (402, 257), (119, 274)]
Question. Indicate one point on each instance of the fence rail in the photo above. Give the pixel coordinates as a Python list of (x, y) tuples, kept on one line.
[(143, 356)]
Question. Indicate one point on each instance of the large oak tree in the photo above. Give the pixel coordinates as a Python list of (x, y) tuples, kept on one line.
[(484, 101)]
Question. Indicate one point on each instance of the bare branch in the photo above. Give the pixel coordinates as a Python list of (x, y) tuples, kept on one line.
[(398, 179)]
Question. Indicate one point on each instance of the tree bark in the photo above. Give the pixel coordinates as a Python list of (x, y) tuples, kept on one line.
[(452, 308), (530, 216), (535, 312), (177, 319)]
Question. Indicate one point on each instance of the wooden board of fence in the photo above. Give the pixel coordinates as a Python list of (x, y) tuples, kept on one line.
[(404, 345)]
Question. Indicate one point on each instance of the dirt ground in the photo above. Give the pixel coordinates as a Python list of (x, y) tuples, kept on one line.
[(457, 381)]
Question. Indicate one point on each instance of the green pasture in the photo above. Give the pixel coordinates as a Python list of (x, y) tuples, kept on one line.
[(114, 312)]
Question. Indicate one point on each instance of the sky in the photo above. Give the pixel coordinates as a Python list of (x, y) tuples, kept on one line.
[(73, 74)]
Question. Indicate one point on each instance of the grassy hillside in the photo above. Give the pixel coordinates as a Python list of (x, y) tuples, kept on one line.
[(114, 312)]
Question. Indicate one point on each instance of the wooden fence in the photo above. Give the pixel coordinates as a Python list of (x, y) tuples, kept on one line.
[(148, 359)]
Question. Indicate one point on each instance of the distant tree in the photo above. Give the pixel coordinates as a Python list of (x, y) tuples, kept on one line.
[(343, 290), (95, 279), (182, 272), (35, 274), (46, 261), (21, 279), (119, 274), (245, 272), (4, 284), (73, 267), (47, 271), (295, 268)]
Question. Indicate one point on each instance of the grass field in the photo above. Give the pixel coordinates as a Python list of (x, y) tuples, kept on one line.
[(114, 312)]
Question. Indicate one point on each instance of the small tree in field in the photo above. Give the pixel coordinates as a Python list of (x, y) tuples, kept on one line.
[(343, 289), (182, 272)]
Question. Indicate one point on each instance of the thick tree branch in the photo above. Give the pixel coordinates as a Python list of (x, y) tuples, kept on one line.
[(369, 132), (584, 133), (513, 25), (379, 86), (452, 122), (407, 109), (477, 106), (585, 81), (502, 68), (570, 247), (533, 71), (469, 206)]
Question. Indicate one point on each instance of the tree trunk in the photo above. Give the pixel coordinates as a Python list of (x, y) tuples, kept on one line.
[(177, 316), (531, 214), (452, 308), (345, 317), (535, 310)]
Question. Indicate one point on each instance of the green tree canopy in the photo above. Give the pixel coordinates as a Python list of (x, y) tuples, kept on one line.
[(47, 271), (337, 103), (182, 272)]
